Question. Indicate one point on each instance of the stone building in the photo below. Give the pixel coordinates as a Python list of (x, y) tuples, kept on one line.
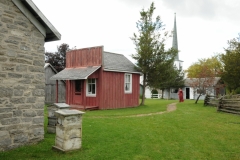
[(23, 32)]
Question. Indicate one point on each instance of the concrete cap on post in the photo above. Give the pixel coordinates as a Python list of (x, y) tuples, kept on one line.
[(56, 106), (61, 105), (66, 113)]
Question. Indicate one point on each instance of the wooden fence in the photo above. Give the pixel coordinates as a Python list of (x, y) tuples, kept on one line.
[(50, 86), (230, 104), (156, 96), (50, 93), (227, 103), (211, 100)]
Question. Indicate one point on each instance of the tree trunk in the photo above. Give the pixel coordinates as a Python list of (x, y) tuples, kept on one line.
[(144, 86), (169, 93), (162, 93), (197, 98)]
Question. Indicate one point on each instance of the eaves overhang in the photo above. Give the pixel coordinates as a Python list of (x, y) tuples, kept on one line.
[(31, 11)]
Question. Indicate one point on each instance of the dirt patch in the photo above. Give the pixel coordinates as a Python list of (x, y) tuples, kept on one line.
[(170, 108)]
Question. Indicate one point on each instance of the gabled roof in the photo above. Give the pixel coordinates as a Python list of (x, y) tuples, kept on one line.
[(30, 10), (188, 81), (49, 65), (118, 63), (111, 62), (75, 73)]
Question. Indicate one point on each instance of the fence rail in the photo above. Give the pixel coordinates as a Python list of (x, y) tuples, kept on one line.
[(211, 100), (227, 103), (230, 104), (156, 95)]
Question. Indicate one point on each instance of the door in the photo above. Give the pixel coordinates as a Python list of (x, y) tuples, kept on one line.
[(77, 92), (191, 93), (187, 93)]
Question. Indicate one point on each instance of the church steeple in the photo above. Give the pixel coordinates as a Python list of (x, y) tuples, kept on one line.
[(175, 41)]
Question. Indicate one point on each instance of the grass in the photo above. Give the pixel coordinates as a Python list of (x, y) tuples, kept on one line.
[(191, 132)]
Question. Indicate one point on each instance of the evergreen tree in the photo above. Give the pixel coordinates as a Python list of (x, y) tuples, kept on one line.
[(151, 55)]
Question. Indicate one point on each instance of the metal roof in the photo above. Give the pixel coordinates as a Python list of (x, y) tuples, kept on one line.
[(118, 63), (75, 73), (31, 11)]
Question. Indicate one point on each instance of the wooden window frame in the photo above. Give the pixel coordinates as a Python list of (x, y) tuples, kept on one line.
[(90, 94), (126, 81)]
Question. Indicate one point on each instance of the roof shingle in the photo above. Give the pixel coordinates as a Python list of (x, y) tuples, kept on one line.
[(75, 73), (118, 62)]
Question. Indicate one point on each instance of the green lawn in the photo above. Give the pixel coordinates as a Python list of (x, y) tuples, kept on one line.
[(191, 132)]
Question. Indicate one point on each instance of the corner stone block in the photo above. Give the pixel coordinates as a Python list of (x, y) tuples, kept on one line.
[(4, 134), (70, 133), (72, 120), (68, 145)]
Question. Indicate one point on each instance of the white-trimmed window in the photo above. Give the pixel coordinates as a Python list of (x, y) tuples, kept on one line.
[(91, 87), (128, 83)]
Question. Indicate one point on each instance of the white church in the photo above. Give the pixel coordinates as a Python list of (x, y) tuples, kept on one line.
[(188, 92)]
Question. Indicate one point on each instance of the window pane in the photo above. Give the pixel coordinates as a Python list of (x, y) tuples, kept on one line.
[(128, 83), (127, 78), (93, 88), (127, 86), (89, 88), (78, 86)]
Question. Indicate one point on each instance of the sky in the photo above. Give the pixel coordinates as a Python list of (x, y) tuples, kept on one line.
[(203, 26)]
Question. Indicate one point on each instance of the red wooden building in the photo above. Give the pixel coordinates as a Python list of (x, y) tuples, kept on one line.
[(99, 79)]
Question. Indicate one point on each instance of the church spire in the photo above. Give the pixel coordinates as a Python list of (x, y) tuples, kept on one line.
[(175, 41)]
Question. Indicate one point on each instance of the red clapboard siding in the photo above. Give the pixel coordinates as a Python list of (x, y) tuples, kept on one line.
[(113, 91), (84, 57), (110, 85), (95, 74), (91, 101)]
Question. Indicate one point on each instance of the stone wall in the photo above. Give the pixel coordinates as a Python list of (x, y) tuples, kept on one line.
[(21, 79)]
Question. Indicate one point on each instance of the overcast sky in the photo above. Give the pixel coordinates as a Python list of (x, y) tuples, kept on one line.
[(203, 26)]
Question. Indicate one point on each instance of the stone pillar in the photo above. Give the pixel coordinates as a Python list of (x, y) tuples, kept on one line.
[(52, 119), (68, 130)]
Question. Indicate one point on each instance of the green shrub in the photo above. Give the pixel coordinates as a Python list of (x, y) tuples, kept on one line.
[(154, 91)]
